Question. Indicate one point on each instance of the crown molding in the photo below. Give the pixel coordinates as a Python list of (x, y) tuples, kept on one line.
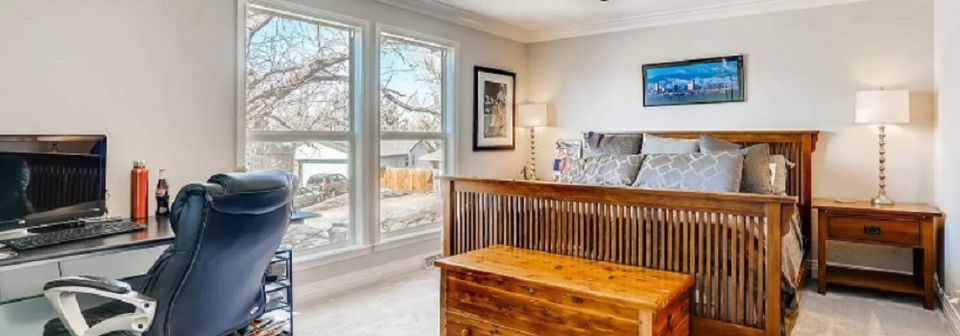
[(705, 13), (742, 8), (462, 17)]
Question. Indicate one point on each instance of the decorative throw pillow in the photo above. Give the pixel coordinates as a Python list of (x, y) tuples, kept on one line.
[(710, 143), (573, 172), (756, 163), (756, 170), (718, 171), (606, 169), (653, 144), (602, 144), (611, 169)]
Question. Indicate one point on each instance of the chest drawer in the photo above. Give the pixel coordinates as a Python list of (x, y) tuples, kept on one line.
[(459, 325), (901, 232)]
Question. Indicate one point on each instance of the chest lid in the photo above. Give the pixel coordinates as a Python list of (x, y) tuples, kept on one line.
[(629, 285)]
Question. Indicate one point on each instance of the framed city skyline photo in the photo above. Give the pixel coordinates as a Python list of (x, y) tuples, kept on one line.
[(494, 109), (698, 81)]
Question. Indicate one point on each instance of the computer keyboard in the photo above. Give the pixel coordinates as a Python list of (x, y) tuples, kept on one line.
[(87, 231)]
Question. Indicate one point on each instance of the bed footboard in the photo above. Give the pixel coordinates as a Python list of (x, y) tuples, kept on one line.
[(731, 243)]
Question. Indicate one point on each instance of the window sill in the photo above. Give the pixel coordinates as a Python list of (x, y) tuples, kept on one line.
[(408, 239), (325, 257)]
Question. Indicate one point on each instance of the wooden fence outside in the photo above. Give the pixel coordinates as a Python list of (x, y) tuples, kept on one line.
[(407, 179)]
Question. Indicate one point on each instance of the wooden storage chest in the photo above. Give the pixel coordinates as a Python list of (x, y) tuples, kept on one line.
[(510, 291)]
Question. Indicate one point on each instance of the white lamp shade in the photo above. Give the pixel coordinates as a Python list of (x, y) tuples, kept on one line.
[(532, 115), (883, 107)]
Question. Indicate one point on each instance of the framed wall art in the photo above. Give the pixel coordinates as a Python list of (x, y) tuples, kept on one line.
[(494, 109), (699, 81)]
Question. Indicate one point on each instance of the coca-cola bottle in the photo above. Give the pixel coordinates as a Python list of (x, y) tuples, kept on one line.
[(163, 195)]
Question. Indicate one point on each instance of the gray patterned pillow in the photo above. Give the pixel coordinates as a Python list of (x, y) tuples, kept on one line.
[(719, 171), (602, 144), (653, 144), (710, 143), (604, 170), (756, 163), (611, 169)]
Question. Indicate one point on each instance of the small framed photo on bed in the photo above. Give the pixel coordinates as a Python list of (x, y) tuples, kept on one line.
[(494, 109), (698, 81)]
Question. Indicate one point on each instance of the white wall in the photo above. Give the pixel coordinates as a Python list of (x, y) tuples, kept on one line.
[(155, 76), (947, 35), (802, 70)]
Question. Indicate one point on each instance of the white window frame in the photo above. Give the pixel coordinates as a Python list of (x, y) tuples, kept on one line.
[(358, 29), (446, 135), (364, 139)]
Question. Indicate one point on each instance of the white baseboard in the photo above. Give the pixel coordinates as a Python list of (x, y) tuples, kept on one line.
[(362, 278), (950, 311)]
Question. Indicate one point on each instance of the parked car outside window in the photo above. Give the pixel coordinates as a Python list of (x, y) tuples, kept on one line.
[(328, 185)]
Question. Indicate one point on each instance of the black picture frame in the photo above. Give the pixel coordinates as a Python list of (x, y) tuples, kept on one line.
[(740, 96), (478, 92)]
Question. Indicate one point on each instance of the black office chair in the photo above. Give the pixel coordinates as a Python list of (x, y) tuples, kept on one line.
[(208, 283)]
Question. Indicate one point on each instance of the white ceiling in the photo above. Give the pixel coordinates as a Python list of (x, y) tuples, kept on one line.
[(543, 20), (551, 14)]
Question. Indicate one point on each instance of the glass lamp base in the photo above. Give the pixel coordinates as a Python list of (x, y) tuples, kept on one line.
[(881, 200)]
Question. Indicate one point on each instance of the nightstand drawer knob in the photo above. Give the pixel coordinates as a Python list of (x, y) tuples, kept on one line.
[(872, 230)]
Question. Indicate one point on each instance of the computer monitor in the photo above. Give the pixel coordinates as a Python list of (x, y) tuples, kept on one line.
[(46, 179)]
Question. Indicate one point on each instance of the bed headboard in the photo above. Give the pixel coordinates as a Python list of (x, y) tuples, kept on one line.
[(796, 145)]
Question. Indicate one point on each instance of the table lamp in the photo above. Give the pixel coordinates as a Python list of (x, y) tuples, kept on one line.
[(883, 107), (532, 116)]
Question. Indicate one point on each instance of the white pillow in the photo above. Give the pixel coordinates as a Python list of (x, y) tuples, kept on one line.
[(778, 174)]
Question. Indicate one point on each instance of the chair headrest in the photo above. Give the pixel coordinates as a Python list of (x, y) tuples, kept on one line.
[(259, 181), (250, 193)]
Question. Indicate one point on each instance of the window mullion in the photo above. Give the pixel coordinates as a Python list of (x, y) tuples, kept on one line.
[(370, 139)]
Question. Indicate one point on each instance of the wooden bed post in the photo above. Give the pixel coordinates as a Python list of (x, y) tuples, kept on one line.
[(447, 189), (773, 276), (808, 145)]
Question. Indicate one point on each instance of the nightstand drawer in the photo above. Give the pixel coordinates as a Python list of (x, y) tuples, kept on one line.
[(877, 230)]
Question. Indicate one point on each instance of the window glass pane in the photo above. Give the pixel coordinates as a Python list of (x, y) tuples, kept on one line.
[(298, 74), (411, 86), (323, 176), (409, 196)]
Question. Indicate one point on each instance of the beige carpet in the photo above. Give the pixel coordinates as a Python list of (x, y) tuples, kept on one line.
[(408, 305)]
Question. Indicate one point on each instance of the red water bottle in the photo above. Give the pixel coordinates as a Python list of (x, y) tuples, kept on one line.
[(139, 190)]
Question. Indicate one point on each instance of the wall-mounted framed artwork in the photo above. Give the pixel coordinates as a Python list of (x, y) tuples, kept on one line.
[(494, 109), (697, 81)]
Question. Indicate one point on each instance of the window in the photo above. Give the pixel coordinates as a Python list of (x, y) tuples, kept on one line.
[(298, 116), (412, 140), (363, 125)]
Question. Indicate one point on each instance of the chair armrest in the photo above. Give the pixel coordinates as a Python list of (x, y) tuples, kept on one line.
[(62, 294)]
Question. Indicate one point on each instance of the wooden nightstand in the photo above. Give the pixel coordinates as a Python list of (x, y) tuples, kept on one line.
[(907, 225)]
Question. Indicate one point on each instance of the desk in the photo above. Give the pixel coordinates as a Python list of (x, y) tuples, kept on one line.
[(158, 233), (26, 316)]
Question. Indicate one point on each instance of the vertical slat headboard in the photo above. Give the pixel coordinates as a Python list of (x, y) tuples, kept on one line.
[(796, 145)]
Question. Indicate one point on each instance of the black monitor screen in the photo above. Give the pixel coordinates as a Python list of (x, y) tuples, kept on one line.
[(51, 178)]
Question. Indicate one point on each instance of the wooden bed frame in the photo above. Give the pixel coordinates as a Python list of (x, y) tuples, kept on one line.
[(720, 238)]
